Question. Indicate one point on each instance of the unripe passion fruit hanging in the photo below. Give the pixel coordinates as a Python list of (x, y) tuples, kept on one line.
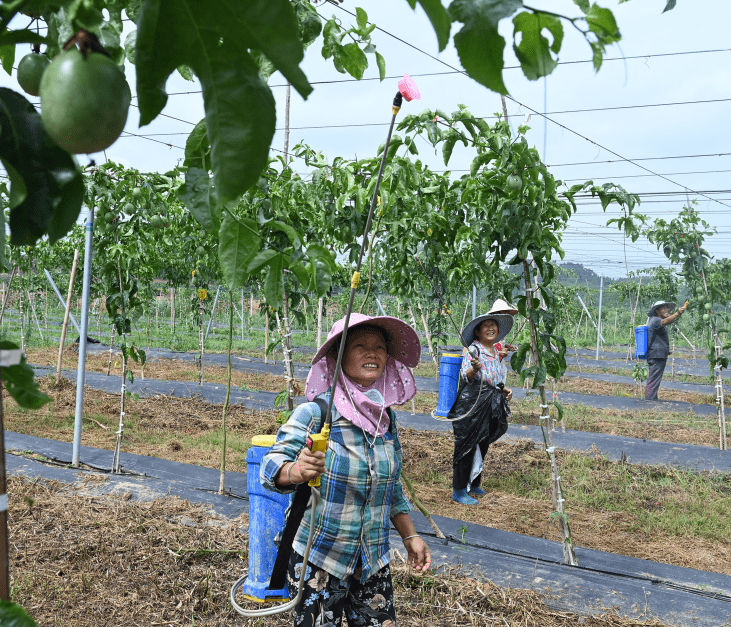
[(84, 101), (30, 71), (515, 182)]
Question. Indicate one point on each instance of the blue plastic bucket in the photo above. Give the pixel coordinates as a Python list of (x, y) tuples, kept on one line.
[(266, 520), (448, 382), (641, 342)]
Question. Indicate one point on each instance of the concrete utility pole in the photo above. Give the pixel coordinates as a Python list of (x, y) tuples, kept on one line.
[(599, 318)]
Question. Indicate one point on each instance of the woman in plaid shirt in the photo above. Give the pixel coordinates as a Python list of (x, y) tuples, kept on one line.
[(348, 569)]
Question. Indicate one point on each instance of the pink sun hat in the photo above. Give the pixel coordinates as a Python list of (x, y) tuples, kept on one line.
[(403, 342), (408, 89)]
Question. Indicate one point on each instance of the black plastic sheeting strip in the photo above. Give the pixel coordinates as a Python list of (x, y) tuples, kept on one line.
[(633, 587), (634, 449)]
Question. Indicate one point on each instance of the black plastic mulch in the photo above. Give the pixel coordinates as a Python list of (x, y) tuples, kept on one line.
[(632, 587)]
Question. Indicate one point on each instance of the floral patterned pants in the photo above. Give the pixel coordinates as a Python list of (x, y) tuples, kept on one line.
[(325, 598)]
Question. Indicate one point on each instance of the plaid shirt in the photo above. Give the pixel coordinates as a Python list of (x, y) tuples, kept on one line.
[(361, 491), (492, 365)]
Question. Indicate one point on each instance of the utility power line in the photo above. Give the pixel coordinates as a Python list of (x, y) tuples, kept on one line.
[(563, 126)]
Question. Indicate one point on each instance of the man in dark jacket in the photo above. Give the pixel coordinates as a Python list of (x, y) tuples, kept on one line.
[(658, 344)]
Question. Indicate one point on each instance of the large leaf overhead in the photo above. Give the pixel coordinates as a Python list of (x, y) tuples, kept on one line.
[(478, 42), (214, 39), (46, 187)]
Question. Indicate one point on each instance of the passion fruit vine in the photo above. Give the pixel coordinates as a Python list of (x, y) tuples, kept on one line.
[(84, 98)]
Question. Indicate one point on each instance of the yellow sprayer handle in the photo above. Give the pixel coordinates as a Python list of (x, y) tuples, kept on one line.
[(318, 442)]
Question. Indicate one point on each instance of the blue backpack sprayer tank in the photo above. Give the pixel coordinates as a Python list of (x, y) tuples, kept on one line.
[(261, 588), (449, 367)]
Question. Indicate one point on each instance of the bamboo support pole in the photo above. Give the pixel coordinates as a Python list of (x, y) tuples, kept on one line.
[(7, 293), (266, 334), (222, 482), (420, 507), (22, 319), (547, 430), (67, 313), (320, 303)]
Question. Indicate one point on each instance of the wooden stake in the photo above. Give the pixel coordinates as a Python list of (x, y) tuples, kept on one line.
[(65, 326), (426, 330), (222, 482), (266, 334), (547, 429), (7, 293), (320, 303)]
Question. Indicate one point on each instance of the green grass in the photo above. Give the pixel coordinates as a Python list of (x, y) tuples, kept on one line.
[(662, 499)]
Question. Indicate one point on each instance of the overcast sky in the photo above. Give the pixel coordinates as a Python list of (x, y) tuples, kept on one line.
[(694, 66)]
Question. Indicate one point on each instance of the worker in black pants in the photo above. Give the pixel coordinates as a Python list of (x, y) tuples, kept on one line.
[(658, 343)]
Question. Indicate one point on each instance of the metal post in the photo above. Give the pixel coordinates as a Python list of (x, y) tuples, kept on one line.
[(589, 318), (474, 302), (599, 317), (380, 307), (242, 315), (81, 370), (62, 300), (213, 310)]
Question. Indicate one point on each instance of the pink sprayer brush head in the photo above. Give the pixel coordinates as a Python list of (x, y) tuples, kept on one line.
[(408, 89)]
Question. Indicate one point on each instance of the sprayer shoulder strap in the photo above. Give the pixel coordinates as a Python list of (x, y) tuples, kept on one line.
[(294, 518)]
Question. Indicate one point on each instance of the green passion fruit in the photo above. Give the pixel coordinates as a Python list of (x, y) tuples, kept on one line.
[(84, 101), (515, 182), (30, 71)]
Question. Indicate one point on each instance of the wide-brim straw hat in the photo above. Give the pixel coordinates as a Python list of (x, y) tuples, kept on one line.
[(660, 303), (504, 324), (500, 306), (403, 342)]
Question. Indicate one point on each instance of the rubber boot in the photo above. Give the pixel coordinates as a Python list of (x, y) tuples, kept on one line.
[(478, 491), (461, 496)]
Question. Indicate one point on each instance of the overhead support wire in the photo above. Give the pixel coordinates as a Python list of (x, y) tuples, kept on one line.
[(533, 111)]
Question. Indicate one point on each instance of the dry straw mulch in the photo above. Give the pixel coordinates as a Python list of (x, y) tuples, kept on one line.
[(83, 560)]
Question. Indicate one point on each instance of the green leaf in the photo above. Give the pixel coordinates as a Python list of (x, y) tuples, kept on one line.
[(199, 197), (381, 63), (479, 44), (291, 233), (130, 46), (7, 58), (262, 259), (274, 283), (479, 161), (602, 23), (46, 186), (270, 26), (12, 615), (186, 73), (518, 359), (559, 409), (361, 17), (240, 115), (20, 384), (439, 18), (534, 50), (238, 243), (669, 6), (68, 207), (353, 59), (197, 148), (323, 266), (448, 147), (12, 37)]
